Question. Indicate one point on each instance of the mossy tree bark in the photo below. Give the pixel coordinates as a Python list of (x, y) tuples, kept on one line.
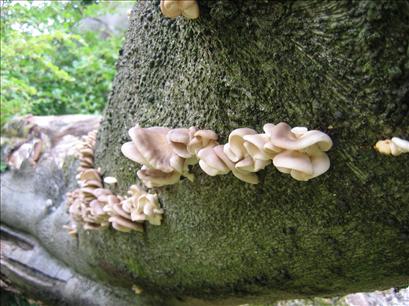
[(338, 66)]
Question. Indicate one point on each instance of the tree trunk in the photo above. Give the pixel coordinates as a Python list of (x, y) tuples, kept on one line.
[(341, 67)]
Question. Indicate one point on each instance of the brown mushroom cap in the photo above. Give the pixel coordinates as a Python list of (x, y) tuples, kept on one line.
[(153, 146), (175, 8), (89, 174)]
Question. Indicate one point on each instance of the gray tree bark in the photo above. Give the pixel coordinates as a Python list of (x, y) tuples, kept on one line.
[(338, 66)]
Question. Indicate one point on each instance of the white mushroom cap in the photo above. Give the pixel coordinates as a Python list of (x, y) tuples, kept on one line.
[(394, 146), (245, 176), (401, 144), (384, 146), (297, 164), (136, 190), (110, 180), (235, 149), (202, 139), (300, 165), (254, 145), (252, 165), (156, 178), (179, 139), (151, 209), (299, 130), (129, 150), (151, 148), (211, 163), (282, 137)]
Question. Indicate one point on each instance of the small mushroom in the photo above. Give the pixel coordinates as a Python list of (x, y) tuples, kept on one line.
[(120, 218), (150, 205), (251, 164), (395, 146), (110, 180), (175, 8), (255, 144)]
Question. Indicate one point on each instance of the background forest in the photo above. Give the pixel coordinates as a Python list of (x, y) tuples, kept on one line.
[(51, 62)]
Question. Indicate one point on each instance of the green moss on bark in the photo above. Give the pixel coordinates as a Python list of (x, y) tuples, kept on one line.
[(338, 66)]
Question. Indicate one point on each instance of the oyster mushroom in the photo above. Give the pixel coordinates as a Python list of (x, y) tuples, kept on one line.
[(202, 139), (156, 178), (180, 139), (214, 161), (245, 176), (119, 218), (211, 163), (298, 151), (149, 203), (235, 149), (281, 137), (110, 180), (395, 146), (124, 225), (257, 158), (175, 8), (151, 148), (300, 165), (142, 206)]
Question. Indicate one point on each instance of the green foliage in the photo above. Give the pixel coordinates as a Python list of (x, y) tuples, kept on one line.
[(46, 69)]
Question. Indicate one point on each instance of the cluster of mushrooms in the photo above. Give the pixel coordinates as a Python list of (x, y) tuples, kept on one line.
[(166, 154), (174, 8), (96, 207), (395, 146)]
